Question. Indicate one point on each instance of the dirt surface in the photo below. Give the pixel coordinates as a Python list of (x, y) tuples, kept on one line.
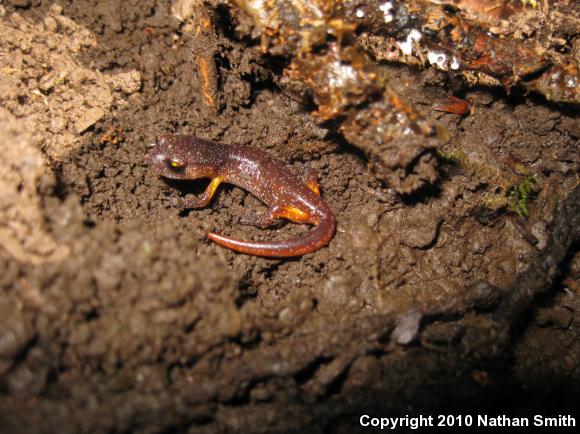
[(116, 314)]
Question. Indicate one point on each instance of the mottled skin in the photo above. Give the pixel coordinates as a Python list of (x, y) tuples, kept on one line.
[(286, 194)]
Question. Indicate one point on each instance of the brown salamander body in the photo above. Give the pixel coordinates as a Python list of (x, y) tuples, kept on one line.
[(286, 194)]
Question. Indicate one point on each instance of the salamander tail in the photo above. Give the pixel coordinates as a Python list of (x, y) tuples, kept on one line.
[(315, 239)]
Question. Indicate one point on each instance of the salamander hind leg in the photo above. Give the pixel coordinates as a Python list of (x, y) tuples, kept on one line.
[(291, 213), (264, 221), (268, 219), (310, 177)]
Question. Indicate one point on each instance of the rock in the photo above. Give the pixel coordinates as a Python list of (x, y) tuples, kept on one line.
[(128, 82), (407, 327), (88, 119)]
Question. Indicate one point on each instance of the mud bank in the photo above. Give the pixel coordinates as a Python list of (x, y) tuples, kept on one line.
[(116, 314)]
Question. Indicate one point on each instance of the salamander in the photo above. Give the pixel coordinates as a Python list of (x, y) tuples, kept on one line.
[(285, 193)]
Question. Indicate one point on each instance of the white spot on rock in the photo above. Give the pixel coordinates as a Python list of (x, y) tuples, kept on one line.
[(454, 63), (439, 59), (407, 45), (408, 327), (340, 74), (386, 10)]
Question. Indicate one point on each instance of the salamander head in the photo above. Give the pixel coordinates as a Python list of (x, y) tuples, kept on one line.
[(182, 157)]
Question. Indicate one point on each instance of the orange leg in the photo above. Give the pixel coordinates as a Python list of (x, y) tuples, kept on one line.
[(291, 213), (205, 197), (278, 212), (311, 178)]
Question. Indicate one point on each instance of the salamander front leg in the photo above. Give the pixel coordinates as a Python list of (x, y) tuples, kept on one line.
[(204, 198)]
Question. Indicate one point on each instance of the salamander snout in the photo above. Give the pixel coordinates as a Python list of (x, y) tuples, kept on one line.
[(165, 158)]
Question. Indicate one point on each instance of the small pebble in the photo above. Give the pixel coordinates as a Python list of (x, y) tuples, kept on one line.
[(88, 119), (408, 327), (128, 82)]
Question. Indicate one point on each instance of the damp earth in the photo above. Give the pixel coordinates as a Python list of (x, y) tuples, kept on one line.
[(459, 294)]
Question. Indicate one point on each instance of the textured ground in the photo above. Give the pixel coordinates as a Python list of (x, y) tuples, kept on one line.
[(116, 315)]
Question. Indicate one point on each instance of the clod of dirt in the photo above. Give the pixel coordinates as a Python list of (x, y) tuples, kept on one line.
[(146, 327), (420, 229), (22, 172), (63, 98), (16, 333), (88, 118)]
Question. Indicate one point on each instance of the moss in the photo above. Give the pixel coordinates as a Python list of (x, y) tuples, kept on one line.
[(453, 156), (518, 195), (506, 191), (494, 201)]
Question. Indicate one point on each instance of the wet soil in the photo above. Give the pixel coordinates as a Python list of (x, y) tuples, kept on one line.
[(117, 315)]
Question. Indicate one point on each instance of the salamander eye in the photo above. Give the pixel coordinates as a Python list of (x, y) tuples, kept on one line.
[(175, 165)]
